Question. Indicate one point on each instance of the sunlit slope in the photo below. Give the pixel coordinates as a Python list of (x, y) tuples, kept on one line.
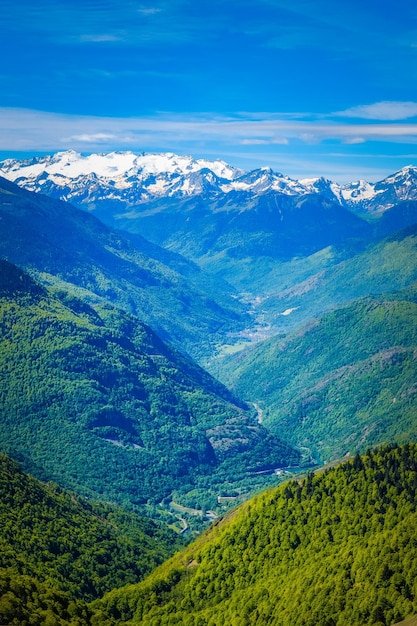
[(336, 549), (341, 383)]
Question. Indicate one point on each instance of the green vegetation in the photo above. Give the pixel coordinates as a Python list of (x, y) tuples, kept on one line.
[(284, 296), (58, 242), (26, 602), (341, 383), (330, 278), (338, 548), (94, 400), (58, 551), (212, 230)]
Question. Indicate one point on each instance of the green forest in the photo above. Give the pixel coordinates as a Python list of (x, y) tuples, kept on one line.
[(92, 399), (338, 548), (356, 383), (58, 551)]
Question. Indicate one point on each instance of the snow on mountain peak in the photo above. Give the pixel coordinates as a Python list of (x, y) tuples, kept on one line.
[(139, 177), (357, 191), (407, 173), (72, 164)]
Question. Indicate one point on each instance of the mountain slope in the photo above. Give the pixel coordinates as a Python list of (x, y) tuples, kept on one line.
[(93, 399), (62, 243), (78, 547), (303, 289), (341, 383), (272, 237), (244, 226), (135, 186), (334, 549), (240, 225), (196, 208)]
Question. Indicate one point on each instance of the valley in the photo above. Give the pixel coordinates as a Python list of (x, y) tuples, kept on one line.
[(177, 337)]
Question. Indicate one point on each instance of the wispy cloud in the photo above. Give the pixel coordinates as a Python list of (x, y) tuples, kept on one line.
[(125, 22), (27, 129), (383, 111), (149, 10), (100, 38), (91, 138), (306, 145), (264, 142), (354, 140), (75, 23)]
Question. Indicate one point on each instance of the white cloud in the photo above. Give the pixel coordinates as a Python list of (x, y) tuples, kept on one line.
[(90, 138), (383, 111), (264, 142), (149, 11), (300, 147), (99, 38), (22, 129), (354, 140)]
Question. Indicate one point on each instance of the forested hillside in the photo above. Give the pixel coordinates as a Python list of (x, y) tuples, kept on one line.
[(343, 382), (308, 287), (58, 551), (336, 549), (67, 246), (95, 400), (101, 403)]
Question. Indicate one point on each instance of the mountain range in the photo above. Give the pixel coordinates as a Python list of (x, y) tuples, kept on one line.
[(334, 256), (265, 234), (129, 179), (177, 334), (60, 243)]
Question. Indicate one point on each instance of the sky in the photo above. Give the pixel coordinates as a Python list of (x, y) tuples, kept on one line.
[(307, 87)]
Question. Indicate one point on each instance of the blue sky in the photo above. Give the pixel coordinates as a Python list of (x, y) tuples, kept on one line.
[(307, 87)]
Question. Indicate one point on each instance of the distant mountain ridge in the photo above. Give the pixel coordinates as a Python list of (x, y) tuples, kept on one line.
[(172, 295), (264, 233), (219, 216), (136, 178)]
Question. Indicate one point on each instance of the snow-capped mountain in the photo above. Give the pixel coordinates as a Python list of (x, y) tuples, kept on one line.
[(380, 196), (130, 179), (113, 165), (119, 175)]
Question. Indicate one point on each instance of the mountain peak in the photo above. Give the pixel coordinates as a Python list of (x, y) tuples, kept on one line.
[(140, 177), (111, 165), (407, 172), (408, 168)]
